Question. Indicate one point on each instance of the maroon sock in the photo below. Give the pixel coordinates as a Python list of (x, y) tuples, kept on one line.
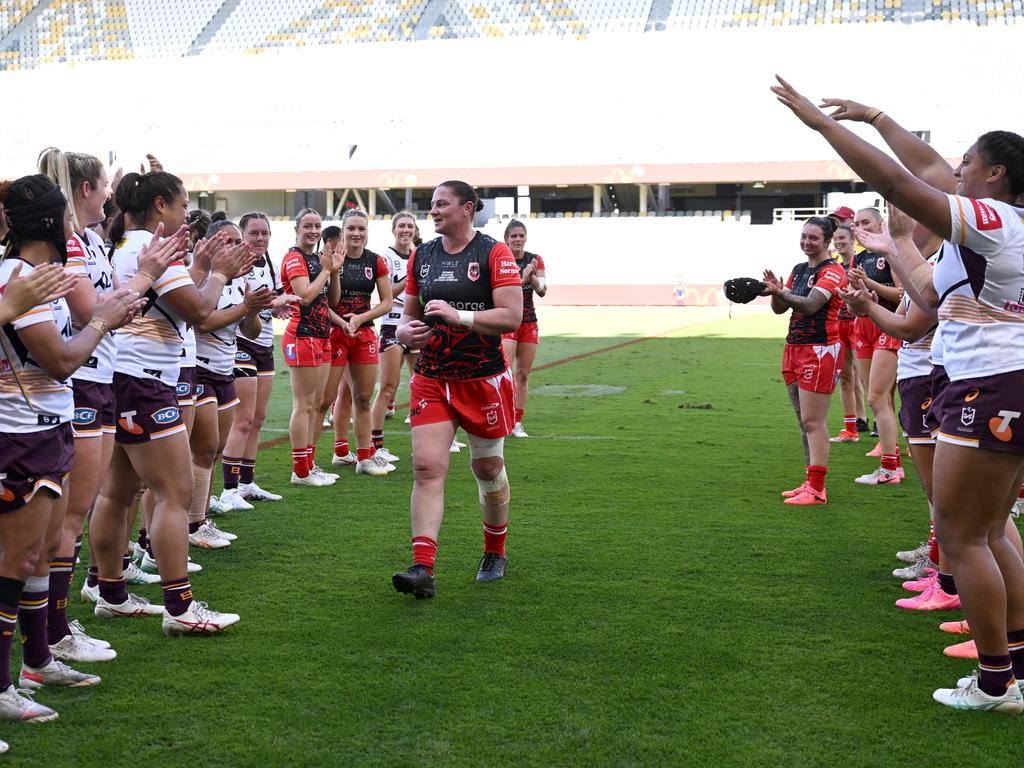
[(35, 647), (995, 674), (78, 550), (177, 596), (143, 540), (1015, 641), (247, 471), (114, 591), (377, 438), (193, 527), (62, 570), (946, 583), (92, 578), (125, 562), (231, 469), (10, 596)]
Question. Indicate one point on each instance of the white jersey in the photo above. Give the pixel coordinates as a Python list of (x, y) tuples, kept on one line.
[(188, 348), (52, 402), (915, 357), (980, 282), (215, 350), (396, 266), (151, 346), (264, 276), (87, 257)]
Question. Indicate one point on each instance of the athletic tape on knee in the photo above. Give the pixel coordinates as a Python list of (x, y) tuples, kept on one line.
[(494, 492), (37, 583), (486, 448)]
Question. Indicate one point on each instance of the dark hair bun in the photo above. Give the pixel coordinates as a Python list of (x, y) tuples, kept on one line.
[(479, 205), (218, 216)]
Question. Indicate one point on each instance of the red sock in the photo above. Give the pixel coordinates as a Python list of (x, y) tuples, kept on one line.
[(364, 453), (341, 447), (519, 415), (1021, 494), (933, 545), (391, 405), (424, 552), (816, 476), (300, 462), (890, 461), (494, 538), (311, 452), (850, 422)]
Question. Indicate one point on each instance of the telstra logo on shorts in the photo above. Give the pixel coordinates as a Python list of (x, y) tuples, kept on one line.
[(165, 415), (1000, 425), (127, 423)]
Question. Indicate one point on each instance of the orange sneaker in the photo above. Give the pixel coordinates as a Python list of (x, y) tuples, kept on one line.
[(956, 627), (808, 496), (875, 452), (846, 436), (795, 492), (964, 650)]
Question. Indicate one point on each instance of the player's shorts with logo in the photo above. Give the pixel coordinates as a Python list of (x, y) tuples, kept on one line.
[(215, 388), (812, 367), (360, 349), (32, 461), (94, 409), (847, 336), (252, 359), (526, 333), (984, 412), (186, 387), (915, 403), (938, 380), (482, 407), (147, 409), (388, 339), (305, 351), (868, 337)]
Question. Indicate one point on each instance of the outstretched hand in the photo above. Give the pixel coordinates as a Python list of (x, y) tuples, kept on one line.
[(899, 224), (42, 285), (846, 109), (773, 286), (800, 105), (876, 242)]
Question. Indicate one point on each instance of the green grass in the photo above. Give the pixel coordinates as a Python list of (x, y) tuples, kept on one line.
[(662, 607)]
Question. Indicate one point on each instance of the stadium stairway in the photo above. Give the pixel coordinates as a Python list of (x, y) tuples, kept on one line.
[(212, 27), (27, 23)]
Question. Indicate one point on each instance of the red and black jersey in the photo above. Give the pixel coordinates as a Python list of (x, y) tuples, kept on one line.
[(877, 268), (358, 282), (823, 326), (844, 311), (529, 311), (465, 280), (311, 320)]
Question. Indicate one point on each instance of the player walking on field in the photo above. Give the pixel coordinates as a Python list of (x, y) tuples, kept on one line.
[(462, 293), (977, 286), (812, 358)]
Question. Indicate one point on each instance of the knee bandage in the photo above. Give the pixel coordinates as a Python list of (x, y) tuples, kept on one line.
[(485, 448), (494, 492)]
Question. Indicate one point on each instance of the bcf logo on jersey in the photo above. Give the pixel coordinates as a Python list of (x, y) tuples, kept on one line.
[(166, 415), (967, 416), (474, 271), (1000, 425)]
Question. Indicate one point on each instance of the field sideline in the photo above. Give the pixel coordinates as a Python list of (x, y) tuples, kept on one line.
[(662, 607)]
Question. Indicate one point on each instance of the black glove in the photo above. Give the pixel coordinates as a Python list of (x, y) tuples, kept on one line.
[(743, 290)]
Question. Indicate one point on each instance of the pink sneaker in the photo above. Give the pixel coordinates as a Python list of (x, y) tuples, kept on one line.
[(964, 650), (876, 452), (932, 599), (920, 585), (795, 492), (956, 627), (807, 497)]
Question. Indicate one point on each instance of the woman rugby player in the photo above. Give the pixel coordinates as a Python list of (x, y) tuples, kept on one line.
[(851, 390)]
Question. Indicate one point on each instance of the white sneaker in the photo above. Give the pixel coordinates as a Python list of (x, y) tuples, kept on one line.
[(133, 606), (382, 462), (137, 552), (55, 674), (518, 431), (311, 479), (408, 419), (971, 697), (1018, 507), (90, 594), (198, 620), (349, 459), (79, 632), (318, 470), (371, 467), (881, 476), (252, 492), (913, 555), (218, 507), (917, 570), (4, 746), (205, 538), (328, 420), (74, 648), (233, 498), (135, 575), (18, 707), (387, 455), (389, 413), (456, 447), (148, 564), (218, 532)]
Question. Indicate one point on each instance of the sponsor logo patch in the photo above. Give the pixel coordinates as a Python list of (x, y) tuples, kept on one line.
[(986, 216), (368, 271), (1000, 425), (47, 420), (84, 416), (967, 416), (474, 271), (242, 357), (971, 395), (166, 415), (183, 389)]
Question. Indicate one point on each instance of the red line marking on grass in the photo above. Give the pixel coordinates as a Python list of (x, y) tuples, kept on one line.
[(276, 441)]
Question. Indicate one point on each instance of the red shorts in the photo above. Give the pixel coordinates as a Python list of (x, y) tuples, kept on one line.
[(868, 337), (846, 335), (360, 349), (482, 407), (305, 351), (526, 333), (812, 367)]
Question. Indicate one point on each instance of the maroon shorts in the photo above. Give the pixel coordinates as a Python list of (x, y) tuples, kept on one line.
[(482, 407), (360, 349), (215, 388), (938, 381), (526, 333), (387, 338), (147, 409), (31, 461), (94, 409), (846, 335), (252, 359), (868, 338), (915, 403), (305, 351), (984, 412), (812, 367), (186, 387)]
